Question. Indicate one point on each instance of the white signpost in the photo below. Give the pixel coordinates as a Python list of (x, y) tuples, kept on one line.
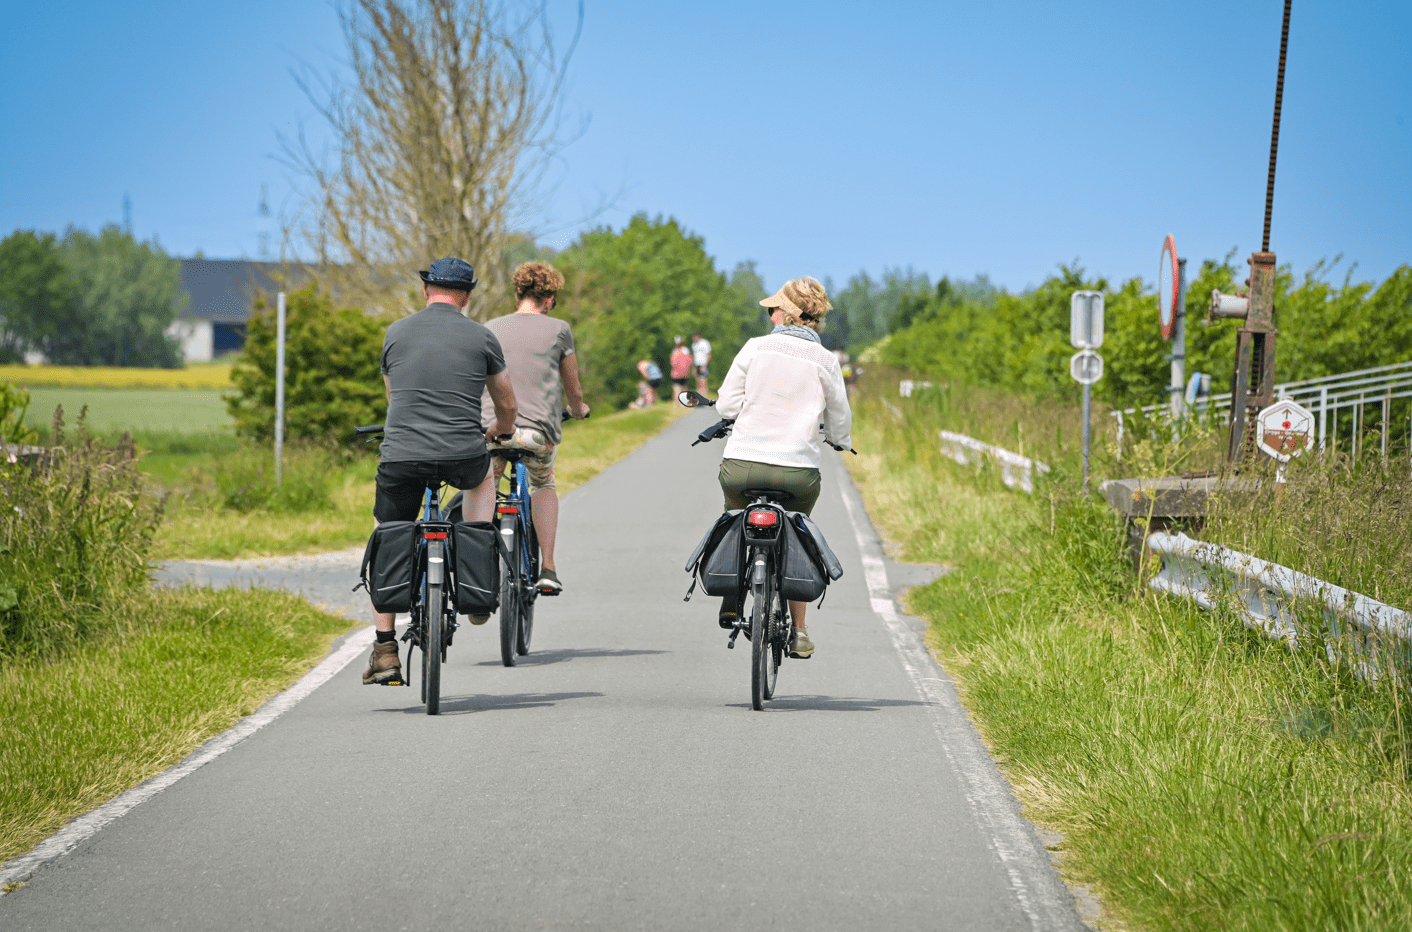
[(1283, 431), (1086, 366), (279, 389)]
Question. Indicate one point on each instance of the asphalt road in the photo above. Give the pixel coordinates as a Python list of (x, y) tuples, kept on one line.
[(616, 779)]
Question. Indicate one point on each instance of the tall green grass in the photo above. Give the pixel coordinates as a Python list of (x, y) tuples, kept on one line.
[(1203, 776), (74, 540)]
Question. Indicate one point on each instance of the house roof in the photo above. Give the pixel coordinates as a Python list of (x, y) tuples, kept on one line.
[(224, 290)]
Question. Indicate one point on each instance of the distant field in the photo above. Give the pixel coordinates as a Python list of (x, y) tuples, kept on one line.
[(211, 375), (170, 409)]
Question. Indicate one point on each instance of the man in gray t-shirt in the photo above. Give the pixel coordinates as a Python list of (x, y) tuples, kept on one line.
[(539, 355), (436, 364)]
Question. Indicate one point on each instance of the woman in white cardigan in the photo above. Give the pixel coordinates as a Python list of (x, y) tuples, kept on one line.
[(778, 389)]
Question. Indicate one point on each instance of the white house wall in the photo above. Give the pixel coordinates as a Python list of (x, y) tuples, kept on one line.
[(197, 339)]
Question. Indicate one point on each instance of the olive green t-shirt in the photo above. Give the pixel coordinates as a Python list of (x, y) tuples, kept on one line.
[(534, 345)]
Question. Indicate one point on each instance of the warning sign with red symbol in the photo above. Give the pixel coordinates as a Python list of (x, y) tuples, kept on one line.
[(1284, 430)]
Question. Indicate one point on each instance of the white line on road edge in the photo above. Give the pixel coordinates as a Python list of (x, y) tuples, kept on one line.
[(87, 825), (1041, 894)]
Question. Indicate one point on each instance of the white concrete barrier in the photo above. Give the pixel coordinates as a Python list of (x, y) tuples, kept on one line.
[(1281, 602), (1015, 470)]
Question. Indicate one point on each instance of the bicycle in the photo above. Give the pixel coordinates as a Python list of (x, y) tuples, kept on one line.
[(433, 613), (519, 553), (519, 548), (769, 628)]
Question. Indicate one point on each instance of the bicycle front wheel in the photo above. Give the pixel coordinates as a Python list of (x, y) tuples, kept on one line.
[(511, 599), (522, 642)]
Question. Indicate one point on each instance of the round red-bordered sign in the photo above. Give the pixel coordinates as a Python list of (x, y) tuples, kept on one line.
[(1167, 287)]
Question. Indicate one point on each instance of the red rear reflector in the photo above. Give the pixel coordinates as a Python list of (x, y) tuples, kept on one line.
[(763, 518), (508, 510), (434, 535)]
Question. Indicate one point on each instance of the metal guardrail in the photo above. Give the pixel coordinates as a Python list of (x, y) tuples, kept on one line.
[(1280, 601), (1015, 470), (1325, 397)]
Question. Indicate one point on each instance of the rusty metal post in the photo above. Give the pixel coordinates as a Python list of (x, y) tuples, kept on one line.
[(1254, 385)]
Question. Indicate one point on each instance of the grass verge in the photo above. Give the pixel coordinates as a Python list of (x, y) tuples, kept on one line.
[(1202, 776), (181, 666), (196, 526)]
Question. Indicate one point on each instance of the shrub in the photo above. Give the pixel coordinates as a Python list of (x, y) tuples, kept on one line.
[(333, 376), (74, 536)]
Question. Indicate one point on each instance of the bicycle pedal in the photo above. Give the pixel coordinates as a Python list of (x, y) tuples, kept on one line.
[(395, 681)]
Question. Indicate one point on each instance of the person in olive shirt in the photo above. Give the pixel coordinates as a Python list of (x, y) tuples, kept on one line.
[(436, 365), (539, 355)]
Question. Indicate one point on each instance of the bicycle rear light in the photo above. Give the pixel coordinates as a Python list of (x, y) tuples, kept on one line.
[(508, 510), (434, 535), (763, 518)]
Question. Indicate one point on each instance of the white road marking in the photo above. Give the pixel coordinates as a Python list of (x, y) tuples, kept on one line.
[(85, 826), (1040, 893)]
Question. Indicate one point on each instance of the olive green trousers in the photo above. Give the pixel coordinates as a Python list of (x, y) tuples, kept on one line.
[(800, 481)]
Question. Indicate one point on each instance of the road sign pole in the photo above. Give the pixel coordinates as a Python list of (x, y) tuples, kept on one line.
[(279, 388), (1178, 388), (1088, 427)]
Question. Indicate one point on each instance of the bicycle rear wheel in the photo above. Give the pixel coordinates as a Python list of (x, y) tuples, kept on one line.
[(435, 612), (511, 596), (778, 638)]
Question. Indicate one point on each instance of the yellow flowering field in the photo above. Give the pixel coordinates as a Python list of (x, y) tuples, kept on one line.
[(200, 375)]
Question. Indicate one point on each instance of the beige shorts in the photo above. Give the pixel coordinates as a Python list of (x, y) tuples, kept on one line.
[(540, 465)]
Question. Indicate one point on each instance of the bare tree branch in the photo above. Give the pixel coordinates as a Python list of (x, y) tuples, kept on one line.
[(445, 130)]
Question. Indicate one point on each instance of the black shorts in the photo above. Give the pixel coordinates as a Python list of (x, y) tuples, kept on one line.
[(401, 487), (653, 383)]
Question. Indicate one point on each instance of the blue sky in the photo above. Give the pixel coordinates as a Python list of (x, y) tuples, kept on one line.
[(814, 138)]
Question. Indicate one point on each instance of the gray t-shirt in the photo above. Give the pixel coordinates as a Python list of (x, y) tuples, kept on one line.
[(534, 345), (437, 362)]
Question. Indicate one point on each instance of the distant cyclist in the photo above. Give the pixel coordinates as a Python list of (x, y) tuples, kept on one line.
[(436, 365), (778, 389), (539, 357)]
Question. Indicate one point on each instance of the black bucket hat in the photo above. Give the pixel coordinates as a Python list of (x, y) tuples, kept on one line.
[(453, 273)]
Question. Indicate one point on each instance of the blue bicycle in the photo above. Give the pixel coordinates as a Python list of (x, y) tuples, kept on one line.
[(519, 549)]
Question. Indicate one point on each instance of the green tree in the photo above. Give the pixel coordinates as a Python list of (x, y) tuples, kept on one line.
[(628, 293), (126, 295), (333, 377), (36, 292), (864, 308)]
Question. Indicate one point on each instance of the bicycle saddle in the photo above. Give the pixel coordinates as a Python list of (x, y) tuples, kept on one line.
[(775, 495)]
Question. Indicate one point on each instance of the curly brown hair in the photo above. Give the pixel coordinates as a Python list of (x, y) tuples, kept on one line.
[(537, 281)]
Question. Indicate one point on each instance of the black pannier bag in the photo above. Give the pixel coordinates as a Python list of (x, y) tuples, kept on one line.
[(818, 548), (804, 579), (389, 565), (477, 562), (716, 560)]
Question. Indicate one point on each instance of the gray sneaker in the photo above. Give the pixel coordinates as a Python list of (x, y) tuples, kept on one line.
[(801, 648), (549, 583), (385, 668)]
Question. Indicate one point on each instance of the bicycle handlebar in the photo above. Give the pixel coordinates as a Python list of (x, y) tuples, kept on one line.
[(369, 429)]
